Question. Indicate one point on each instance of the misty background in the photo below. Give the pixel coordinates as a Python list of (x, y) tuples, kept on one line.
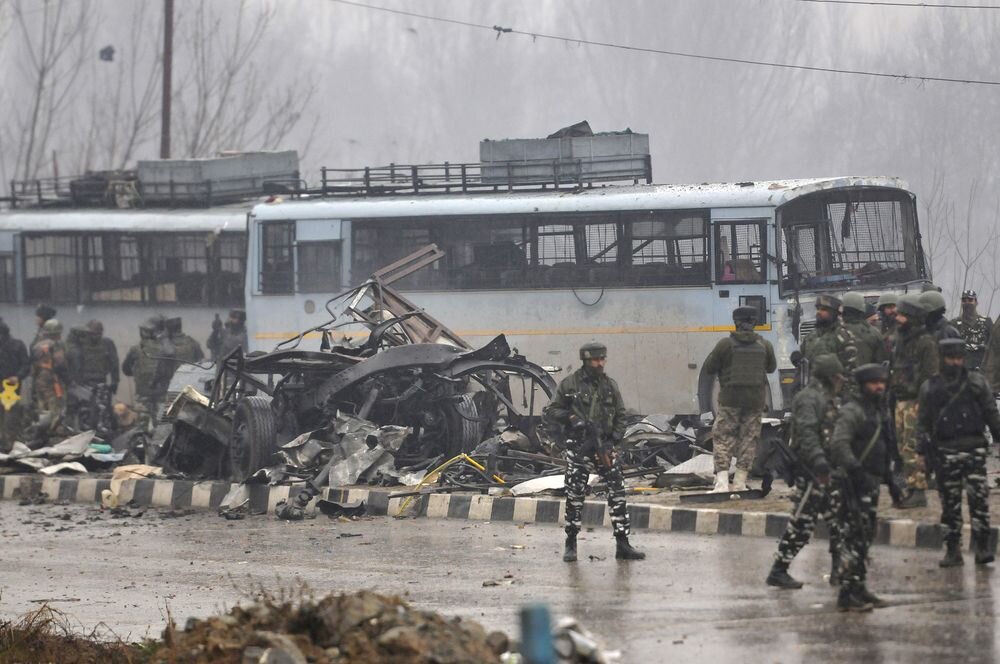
[(348, 86)]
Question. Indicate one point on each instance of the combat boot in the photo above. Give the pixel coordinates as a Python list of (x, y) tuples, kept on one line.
[(873, 599), (569, 555), (982, 547), (626, 551), (780, 578), (721, 482), (739, 480), (914, 498), (850, 601), (952, 556)]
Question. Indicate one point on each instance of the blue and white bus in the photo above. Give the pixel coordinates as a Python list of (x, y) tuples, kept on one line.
[(653, 271)]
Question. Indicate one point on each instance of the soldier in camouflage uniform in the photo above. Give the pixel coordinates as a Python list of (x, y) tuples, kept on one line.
[(151, 373), (975, 329), (93, 358), (887, 322), (937, 324), (955, 409), (587, 415), (860, 458), (830, 336), (741, 361), (185, 347), (814, 411), (866, 342), (914, 360), (49, 376)]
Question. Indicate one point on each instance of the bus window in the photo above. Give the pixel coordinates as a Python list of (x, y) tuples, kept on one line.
[(670, 249), (8, 284), (230, 263), (319, 266), (51, 269), (740, 247), (179, 268), (277, 271)]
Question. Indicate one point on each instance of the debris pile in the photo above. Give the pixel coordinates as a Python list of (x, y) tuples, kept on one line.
[(81, 453)]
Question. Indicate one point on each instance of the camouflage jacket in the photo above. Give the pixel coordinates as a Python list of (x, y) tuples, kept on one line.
[(942, 329), (592, 398), (866, 341), (969, 399), (814, 412), (975, 331), (862, 430), (914, 360), (152, 376), (832, 339), (720, 359)]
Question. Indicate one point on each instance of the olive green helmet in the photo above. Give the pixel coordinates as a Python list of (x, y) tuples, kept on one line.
[(593, 351), (826, 366), (52, 329), (886, 300), (910, 306), (853, 301), (933, 301), (828, 302)]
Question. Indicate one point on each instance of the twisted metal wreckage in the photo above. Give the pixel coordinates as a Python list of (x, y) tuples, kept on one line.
[(412, 404)]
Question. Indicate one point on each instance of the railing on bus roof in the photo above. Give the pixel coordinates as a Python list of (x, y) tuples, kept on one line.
[(447, 177)]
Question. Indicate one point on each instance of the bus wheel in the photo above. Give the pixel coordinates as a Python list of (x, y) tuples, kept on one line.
[(252, 442)]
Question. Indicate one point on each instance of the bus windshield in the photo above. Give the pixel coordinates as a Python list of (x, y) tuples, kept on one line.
[(850, 237)]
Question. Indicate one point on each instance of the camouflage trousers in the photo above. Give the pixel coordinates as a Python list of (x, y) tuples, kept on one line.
[(966, 469), (857, 532), (152, 408), (811, 502), (579, 466), (48, 396), (735, 434), (907, 435)]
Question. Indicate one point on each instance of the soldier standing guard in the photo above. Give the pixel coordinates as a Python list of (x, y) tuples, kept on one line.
[(975, 329), (860, 459), (741, 361), (955, 409), (49, 376), (151, 372), (587, 414), (914, 360), (865, 341), (933, 302), (814, 411)]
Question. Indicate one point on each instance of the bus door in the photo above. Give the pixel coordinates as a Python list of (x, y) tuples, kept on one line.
[(742, 276)]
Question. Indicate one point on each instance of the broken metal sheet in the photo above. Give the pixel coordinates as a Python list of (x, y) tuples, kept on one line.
[(235, 502), (304, 450), (66, 466), (391, 437), (547, 483), (702, 464), (334, 509)]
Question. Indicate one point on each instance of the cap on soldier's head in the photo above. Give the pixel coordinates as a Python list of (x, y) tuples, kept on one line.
[(952, 347), (593, 351), (173, 324), (969, 295), (828, 302), (869, 372), (933, 301), (886, 300), (910, 305), (853, 301), (826, 366), (744, 314)]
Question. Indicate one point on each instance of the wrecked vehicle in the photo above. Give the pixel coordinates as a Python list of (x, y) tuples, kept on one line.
[(410, 371)]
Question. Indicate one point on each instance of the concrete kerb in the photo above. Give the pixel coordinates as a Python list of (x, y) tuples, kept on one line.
[(208, 495)]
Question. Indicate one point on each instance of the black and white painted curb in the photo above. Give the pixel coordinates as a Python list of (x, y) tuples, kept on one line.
[(180, 494)]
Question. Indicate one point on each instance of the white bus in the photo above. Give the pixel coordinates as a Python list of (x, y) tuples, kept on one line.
[(653, 271)]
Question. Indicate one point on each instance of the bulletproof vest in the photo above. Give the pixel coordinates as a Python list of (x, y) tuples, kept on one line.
[(747, 365), (975, 332), (94, 362), (875, 461), (958, 412), (145, 371), (185, 348)]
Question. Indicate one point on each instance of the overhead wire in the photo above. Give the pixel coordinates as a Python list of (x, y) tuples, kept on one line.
[(502, 30), (910, 5)]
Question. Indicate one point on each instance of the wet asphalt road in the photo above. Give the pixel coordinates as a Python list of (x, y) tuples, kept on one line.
[(695, 597)]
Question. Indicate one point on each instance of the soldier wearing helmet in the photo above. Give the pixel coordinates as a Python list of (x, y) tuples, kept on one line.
[(956, 407), (935, 320), (914, 360), (886, 306), (867, 343), (148, 364), (49, 376), (814, 411), (741, 361), (975, 329), (860, 456), (829, 336), (587, 415), (226, 338)]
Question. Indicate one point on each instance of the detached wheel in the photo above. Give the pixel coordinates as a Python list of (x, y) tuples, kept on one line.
[(253, 440)]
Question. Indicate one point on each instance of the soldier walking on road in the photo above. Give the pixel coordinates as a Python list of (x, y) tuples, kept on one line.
[(975, 329), (587, 413), (860, 459), (955, 409), (914, 360), (814, 411), (741, 361)]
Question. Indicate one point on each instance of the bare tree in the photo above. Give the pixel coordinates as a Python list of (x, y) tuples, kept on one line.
[(966, 244), (52, 39), (225, 102)]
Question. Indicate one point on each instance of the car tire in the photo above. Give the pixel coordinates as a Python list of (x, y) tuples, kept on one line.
[(253, 441)]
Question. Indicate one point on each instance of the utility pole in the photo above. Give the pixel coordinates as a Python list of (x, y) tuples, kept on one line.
[(168, 61)]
